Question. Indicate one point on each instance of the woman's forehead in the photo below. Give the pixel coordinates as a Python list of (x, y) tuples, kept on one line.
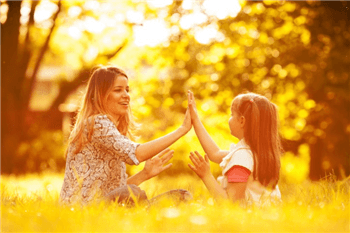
[(120, 81)]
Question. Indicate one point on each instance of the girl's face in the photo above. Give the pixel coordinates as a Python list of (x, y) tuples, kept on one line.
[(236, 124), (118, 99)]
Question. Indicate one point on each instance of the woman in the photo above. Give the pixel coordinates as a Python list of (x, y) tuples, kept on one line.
[(99, 145)]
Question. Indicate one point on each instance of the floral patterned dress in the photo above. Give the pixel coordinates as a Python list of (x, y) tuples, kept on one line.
[(99, 167)]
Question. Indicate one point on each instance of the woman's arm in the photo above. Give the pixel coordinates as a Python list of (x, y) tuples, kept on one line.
[(211, 149), (152, 168), (149, 149), (138, 178)]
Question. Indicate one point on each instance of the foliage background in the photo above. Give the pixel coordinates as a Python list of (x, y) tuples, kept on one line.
[(295, 53)]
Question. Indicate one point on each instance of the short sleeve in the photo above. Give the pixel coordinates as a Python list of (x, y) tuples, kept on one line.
[(110, 139), (241, 157), (238, 174), (232, 146)]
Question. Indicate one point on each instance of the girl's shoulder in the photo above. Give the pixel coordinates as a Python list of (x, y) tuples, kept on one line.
[(241, 156)]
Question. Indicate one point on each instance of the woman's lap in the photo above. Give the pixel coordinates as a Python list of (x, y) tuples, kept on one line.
[(123, 196)]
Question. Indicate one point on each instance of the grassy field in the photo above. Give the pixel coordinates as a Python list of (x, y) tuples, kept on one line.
[(30, 204)]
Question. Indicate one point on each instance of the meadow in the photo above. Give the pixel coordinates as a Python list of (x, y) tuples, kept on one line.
[(30, 204)]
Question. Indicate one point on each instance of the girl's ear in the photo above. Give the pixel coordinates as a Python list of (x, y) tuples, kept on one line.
[(242, 121)]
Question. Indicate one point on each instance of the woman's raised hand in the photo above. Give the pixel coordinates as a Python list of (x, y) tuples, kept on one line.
[(192, 107), (155, 165), (187, 124)]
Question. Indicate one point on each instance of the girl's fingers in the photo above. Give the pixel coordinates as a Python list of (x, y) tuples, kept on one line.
[(194, 160), (195, 157), (199, 156), (193, 168)]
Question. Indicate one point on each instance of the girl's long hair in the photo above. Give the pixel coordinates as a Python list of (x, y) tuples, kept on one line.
[(99, 86), (261, 134)]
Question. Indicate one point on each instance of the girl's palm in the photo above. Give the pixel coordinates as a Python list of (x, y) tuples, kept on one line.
[(201, 166)]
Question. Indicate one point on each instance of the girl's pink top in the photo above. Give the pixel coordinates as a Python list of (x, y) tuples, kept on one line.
[(241, 155)]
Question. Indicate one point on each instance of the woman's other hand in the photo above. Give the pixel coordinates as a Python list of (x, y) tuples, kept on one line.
[(155, 165), (201, 165), (192, 107)]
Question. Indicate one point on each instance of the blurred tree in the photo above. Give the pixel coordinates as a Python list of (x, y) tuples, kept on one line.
[(295, 53), (16, 87), (327, 67), (27, 45)]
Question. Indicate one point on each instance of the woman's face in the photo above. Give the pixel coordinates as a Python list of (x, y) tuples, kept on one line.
[(118, 99)]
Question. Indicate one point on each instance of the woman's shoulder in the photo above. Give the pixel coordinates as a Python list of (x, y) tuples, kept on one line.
[(105, 125), (101, 120)]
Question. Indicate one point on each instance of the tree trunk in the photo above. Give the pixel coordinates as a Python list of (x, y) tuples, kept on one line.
[(11, 119)]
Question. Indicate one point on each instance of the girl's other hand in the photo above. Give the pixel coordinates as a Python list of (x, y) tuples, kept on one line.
[(192, 106), (201, 165), (155, 165)]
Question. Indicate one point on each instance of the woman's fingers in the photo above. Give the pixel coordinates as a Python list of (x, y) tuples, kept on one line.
[(163, 152), (167, 157), (167, 166), (190, 98), (206, 158)]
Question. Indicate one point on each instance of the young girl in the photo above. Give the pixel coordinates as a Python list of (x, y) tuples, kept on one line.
[(250, 170)]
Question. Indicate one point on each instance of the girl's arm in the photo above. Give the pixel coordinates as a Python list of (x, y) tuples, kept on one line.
[(234, 191), (202, 169), (150, 149), (152, 168), (211, 149)]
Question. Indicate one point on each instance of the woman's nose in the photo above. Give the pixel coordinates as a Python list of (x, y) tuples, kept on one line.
[(126, 94)]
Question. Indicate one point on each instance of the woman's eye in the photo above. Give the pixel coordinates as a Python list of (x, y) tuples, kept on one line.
[(120, 90)]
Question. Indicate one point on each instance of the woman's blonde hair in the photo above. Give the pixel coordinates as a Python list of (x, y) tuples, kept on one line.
[(261, 134), (98, 88)]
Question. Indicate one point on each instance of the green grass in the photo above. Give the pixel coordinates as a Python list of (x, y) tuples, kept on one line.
[(30, 204)]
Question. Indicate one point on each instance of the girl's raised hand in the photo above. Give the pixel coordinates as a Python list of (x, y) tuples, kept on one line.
[(201, 165), (155, 165), (192, 106)]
